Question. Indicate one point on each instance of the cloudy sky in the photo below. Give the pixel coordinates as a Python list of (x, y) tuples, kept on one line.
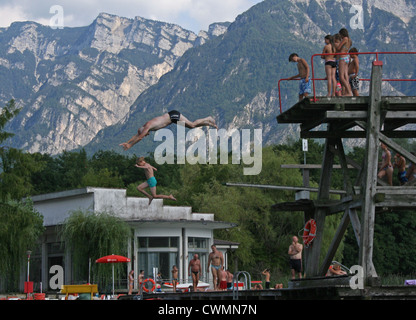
[(194, 15)]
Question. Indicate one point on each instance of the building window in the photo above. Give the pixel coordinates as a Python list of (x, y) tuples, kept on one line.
[(158, 242), (158, 252), (197, 243)]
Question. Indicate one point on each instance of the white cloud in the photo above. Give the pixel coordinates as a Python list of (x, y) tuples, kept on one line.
[(9, 14), (191, 14)]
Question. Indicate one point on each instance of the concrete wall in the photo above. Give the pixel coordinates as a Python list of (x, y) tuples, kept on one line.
[(57, 207), (56, 211)]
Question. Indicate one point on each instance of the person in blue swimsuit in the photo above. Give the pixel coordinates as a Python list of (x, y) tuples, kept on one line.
[(216, 262), (400, 164), (151, 181), (344, 60)]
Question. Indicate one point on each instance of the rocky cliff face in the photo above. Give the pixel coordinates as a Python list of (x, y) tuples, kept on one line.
[(234, 77), (74, 82), (94, 86)]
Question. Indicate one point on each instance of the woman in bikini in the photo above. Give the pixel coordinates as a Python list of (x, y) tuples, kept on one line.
[(386, 168), (330, 65), (344, 60)]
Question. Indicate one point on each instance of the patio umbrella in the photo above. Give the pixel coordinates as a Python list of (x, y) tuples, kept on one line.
[(113, 258)]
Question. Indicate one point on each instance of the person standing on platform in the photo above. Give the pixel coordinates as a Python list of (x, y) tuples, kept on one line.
[(295, 257), (216, 261), (266, 273), (386, 168), (305, 81), (194, 269), (131, 281)]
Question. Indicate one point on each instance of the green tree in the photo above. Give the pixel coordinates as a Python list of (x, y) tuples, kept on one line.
[(91, 235), (20, 228), (103, 179), (72, 166), (16, 166)]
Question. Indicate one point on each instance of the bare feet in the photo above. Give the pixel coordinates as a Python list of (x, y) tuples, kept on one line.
[(171, 197), (211, 120), (150, 200)]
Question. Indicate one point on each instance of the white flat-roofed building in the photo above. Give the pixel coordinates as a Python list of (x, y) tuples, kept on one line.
[(162, 236)]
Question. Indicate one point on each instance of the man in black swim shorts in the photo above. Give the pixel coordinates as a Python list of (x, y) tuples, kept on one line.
[(295, 257), (174, 116), (195, 267), (162, 122)]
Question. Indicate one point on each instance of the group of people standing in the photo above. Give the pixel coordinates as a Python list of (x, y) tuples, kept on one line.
[(386, 167), (341, 67)]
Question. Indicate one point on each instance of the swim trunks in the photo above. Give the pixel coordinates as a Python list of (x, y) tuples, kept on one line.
[(152, 182), (174, 116), (355, 83), (216, 267), (223, 285), (331, 63), (305, 87), (296, 264), (402, 177)]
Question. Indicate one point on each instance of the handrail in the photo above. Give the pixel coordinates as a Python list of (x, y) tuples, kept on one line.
[(314, 99), (355, 53), (235, 283)]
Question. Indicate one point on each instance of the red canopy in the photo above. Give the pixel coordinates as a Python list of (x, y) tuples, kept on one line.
[(113, 258)]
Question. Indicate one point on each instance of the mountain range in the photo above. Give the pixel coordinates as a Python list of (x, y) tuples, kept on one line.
[(92, 87)]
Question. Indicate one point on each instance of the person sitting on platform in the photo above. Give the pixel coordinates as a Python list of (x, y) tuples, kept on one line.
[(411, 171), (335, 270), (400, 164)]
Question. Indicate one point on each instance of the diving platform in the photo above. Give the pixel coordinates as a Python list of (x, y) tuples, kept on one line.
[(376, 119), (344, 113)]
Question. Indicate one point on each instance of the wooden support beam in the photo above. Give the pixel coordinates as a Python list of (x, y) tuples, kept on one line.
[(410, 116), (356, 134), (314, 251), (370, 177), (339, 234), (393, 145)]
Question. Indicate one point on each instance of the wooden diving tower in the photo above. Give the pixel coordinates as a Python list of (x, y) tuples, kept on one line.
[(375, 118)]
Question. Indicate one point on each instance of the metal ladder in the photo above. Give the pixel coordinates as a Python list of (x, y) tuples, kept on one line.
[(235, 283)]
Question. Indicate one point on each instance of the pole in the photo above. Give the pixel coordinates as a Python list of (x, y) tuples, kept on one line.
[(113, 278), (28, 268)]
